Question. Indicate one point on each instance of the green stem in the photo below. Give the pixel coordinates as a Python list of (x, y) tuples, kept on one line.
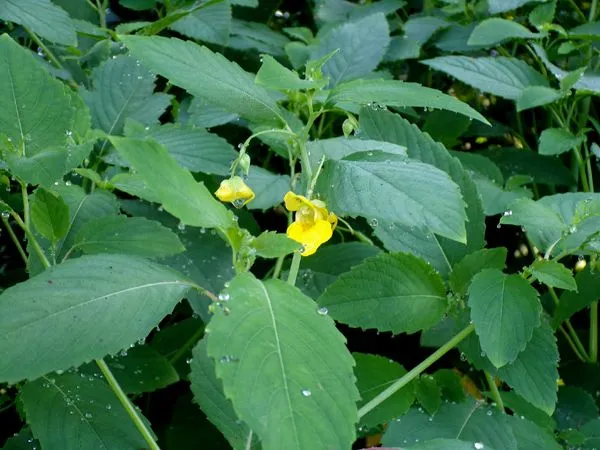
[(575, 339), (494, 390), (32, 240), (25, 197), (53, 59), (593, 11), (15, 239), (278, 267), (414, 373), (101, 8), (594, 332), (293, 274), (582, 170), (135, 418), (249, 441), (571, 344), (186, 346)]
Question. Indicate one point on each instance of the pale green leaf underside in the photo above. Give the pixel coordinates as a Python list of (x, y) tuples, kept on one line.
[(284, 366), (105, 301), (407, 295)]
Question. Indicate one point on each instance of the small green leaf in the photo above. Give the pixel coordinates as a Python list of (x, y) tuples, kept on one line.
[(120, 298), (399, 94), (553, 274), (273, 75), (407, 296), (495, 30), (273, 245), (208, 394), (542, 14), (534, 96), (403, 191), (554, 141), (41, 16), (128, 235), (505, 310), (470, 265), (180, 194), (501, 76), (498, 6), (205, 74), (142, 369), (429, 394), (588, 286), (373, 374), (74, 411), (50, 215), (284, 366)]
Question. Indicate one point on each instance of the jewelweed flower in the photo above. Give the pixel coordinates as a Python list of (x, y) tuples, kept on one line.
[(235, 191), (313, 224)]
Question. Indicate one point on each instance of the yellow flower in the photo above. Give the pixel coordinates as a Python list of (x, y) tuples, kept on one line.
[(313, 224), (234, 190)]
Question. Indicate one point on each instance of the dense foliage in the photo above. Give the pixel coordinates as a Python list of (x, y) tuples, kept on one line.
[(308, 225)]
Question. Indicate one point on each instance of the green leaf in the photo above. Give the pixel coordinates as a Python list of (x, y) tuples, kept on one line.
[(469, 421), (122, 89), (128, 235), (553, 274), (496, 200), (464, 271), (590, 30), (530, 436), (575, 408), (206, 74), (445, 127), (257, 36), (374, 374), (36, 114), (498, 6), (361, 43), (501, 76), (273, 245), (479, 165), (429, 394), (142, 369), (443, 444), (554, 141), (543, 169), (273, 75), (525, 409), (138, 5), (339, 147), (495, 30), (408, 192), (284, 366), (180, 194), (42, 17), (505, 310), (24, 440), (399, 94), (407, 296), (74, 411), (50, 215), (323, 268), (211, 23), (268, 187), (442, 253), (118, 298), (193, 148), (208, 394), (534, 96), (207, 115), (588, 284)]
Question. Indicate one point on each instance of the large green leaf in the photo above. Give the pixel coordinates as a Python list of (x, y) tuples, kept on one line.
[(128, 235), (498, 6), (123, 88), (374, 374), (340, 147), (442, 253), (210, 23), (42, 17), (505, 311), (496, 30), (389, 292), (501, 76), (205, 74), (554, 141), (464, 271), (208, 394), (404, 191), (530, 436), (268, 187), (180, 194), (399, 94), (36, 112), (72, 411), (361, 43), (284, 366), (471, 421), (80, 310)]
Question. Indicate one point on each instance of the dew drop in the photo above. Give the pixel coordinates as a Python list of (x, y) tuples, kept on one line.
[(463, 356), (181, 226), (224, 297), (374, 222), (322, 311), (306, 393), (478, 445)]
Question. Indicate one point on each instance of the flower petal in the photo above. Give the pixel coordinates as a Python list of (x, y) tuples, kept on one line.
[(310, 237), (294, 202)]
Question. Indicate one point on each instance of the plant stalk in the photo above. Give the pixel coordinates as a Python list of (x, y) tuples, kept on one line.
[(135, 418), (293, 274), (15, 239), (414, 373), (594, 332), (32, 240), (494, 390)]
